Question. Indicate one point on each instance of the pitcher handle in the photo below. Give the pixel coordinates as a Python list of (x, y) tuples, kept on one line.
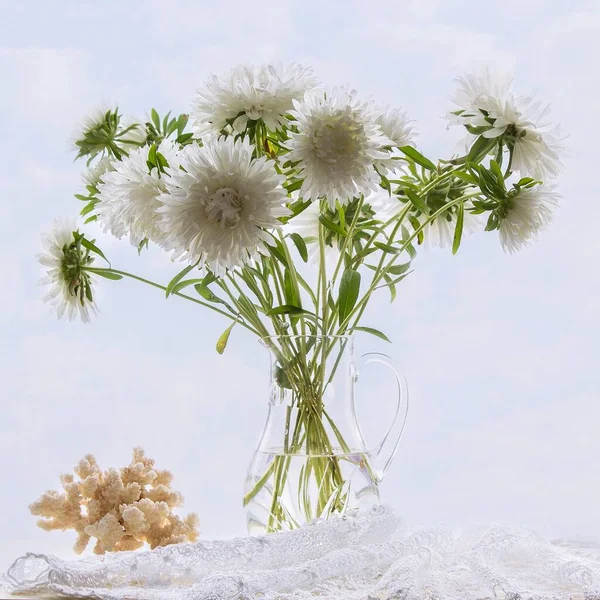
[(384, 452)]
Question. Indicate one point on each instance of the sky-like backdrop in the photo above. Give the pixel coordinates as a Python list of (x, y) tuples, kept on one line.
[(501, 352)]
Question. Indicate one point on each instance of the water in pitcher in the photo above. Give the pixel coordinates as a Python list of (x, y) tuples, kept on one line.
[(301, 500)]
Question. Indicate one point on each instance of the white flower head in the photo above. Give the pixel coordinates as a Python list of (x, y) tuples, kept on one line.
[(523, 215), (132, 132), (488, 107), (92, 176), (440, 232), (396, 126), (337, 143), (129, 195), (249, 92), (70, 287), (220, 206), (92, 122)]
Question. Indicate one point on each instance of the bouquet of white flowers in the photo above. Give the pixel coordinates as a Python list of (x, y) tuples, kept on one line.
[(277, 172)]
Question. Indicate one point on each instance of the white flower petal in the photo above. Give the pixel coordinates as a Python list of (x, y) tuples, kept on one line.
[(536, 141), (337, 144), (129, 196), (257, 92), (219, 209), (529, 213), (59, 294)]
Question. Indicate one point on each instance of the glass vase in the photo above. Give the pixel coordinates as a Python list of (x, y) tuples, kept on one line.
[(312, 460)]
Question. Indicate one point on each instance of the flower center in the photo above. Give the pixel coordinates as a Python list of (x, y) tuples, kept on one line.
[(504, 208), (224, 207), (342, 136)]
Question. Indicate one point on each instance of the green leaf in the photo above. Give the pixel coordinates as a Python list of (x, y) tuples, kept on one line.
[(155, 119), (184, 138), (417, 157), (143, 244), (181, 124), (93, 248), (278, 253), (88, 208), (88, 198), (392, 287), (349, 290), (222, 341), (417, 227), (300, 245), (386, 185), (481, 148), (363, 254), (183, 284), (387, 248), (497, 171), (489, 183), (329, 224), (293, 186), (374, 332), (106, 273), (152, 155), (522, 182), (416, 200), (341, 214), (204, 291), (458, 230), (399, 269), (290, 291), (465, 177), (286, 309), (166, 122), (307, 288), (178, 278)]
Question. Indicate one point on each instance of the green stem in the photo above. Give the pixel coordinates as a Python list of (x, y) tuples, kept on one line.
[(348, 237), (184, 296), (380, 272)]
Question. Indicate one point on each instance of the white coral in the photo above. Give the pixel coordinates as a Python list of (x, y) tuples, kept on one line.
[(122, 509)]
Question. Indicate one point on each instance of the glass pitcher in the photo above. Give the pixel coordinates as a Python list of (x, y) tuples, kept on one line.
[(312, 460)]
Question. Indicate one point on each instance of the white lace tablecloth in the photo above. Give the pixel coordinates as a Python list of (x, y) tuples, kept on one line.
[(362, 556)]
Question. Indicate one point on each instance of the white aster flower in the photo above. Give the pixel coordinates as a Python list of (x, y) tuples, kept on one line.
[(92, 176), (337, 144), (249, 92), (95, 118), (91, 122), (396, 126), (490, 109), (219, 207), (136, 136), (129, 195), (70, 287), (440, 232), (525, 214)]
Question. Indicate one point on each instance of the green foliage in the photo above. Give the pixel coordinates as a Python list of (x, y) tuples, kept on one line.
[(300, 245), (171, 285), (168, 127), (270, 295), (373, 331), (348, 294), (418, 158), (224, 339), (458, 230)]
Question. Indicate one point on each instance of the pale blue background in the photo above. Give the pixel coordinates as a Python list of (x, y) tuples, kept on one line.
[(501, 351)]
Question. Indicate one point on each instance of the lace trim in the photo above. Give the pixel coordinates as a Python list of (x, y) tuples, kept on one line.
[(362, 556)]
